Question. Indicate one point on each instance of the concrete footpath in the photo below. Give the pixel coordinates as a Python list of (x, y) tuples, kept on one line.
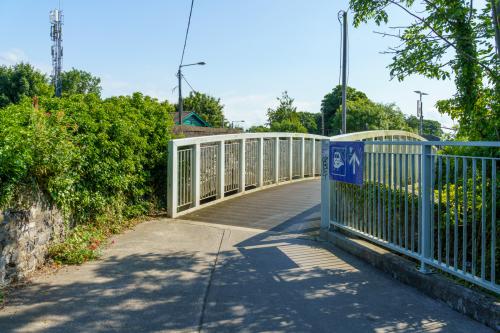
[(185, 276)]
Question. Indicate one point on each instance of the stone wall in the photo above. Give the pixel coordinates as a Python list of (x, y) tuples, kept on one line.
[(26, 232)]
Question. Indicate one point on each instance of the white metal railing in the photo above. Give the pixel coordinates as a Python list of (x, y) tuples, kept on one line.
[(211, 168), (417, 200)]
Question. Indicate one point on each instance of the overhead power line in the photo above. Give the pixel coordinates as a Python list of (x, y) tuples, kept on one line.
[(190, 86), (187, 32)]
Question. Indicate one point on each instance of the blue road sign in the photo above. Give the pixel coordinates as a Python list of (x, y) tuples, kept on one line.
[(346, 161)]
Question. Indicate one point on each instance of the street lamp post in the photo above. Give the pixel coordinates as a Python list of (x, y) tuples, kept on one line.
[(236, 121), (179, 76), (420, 112)]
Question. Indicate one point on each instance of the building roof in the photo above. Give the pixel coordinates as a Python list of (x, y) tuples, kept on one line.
[(189, 114)]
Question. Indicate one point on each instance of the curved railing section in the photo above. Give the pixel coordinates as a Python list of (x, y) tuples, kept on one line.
[(423, 201), (379, 135), (206, 170)]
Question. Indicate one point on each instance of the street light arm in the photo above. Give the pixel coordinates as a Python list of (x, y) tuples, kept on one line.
[(201, 63)]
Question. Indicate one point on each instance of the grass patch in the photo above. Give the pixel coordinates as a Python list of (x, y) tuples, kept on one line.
[(85, 242)]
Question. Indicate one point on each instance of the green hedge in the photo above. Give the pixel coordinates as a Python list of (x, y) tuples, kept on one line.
[(98, 160)]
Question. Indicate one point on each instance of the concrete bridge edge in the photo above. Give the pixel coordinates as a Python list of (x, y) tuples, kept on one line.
[(474, 304)]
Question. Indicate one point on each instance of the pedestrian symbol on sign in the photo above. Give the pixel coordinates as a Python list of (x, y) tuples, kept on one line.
[(339, 161), (346, 162)]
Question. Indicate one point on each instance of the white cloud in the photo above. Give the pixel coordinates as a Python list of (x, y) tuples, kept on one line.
[(12, 57), (113, 87), (250, 108), (253, 108), (307, 106)]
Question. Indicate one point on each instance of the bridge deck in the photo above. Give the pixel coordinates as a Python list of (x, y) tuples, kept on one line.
[(291, 208), (187, 276)]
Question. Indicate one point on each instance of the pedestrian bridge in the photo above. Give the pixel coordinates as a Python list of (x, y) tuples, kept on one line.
[(416, 199), (244, 250)]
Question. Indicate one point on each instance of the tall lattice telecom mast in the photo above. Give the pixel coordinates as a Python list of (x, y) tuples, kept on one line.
[(56, 22)]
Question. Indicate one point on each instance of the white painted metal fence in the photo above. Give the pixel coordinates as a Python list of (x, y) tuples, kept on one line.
[(419, 201), (208, 169)]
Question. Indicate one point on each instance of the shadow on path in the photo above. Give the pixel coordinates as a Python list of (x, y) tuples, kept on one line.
[(159, 278)]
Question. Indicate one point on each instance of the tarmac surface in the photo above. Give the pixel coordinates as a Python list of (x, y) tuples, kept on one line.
[(243, 274)]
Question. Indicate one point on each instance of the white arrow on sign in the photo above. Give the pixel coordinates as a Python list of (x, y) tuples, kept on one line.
[(353, 160)]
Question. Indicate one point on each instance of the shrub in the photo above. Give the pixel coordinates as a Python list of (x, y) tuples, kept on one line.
[(100, 161)]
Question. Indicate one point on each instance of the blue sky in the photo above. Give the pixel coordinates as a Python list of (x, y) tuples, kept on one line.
[(254, 50)]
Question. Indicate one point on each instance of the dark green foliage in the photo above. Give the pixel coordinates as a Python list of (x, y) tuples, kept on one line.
[(285, 118), (332, 102), (367, 209), (430, 127), (258, 129), (96, 159), (311, 121), (22, 80), (365, 115), (80, 82), (447, 39), (208, 107), (35, 148), (101, 162)]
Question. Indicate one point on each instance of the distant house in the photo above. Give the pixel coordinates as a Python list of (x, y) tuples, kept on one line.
[(190, 118)]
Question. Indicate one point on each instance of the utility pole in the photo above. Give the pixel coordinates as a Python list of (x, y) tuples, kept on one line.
[(344, 73), (180, 106), (179, 76), (420, 113), (323, 122)]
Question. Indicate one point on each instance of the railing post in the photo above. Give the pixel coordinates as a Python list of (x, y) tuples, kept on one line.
[(172, 180), (221, 170), (242, 166), (302, 156), (290, 158), (425, 238), (277, 160), (313, 156), (196, 175), (260, 181), (325, 185)]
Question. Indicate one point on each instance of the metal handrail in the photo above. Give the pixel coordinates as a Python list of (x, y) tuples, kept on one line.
[(439, 209), (209, 169)]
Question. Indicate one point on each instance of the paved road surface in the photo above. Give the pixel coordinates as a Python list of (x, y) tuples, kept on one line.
[(188, 276)]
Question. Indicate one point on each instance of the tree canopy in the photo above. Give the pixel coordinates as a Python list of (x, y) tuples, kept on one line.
[(365, 115), (77, 81), (22, 80), (448, 39), (332, 102), (285, 118), (430, 127), (311, 121), (209, 108)]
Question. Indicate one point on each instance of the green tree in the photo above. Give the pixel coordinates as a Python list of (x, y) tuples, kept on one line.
[(258, 129), (80, 82), (285, 118), (332, 102), (311, 121), (208, 107), (447, 38), (431, 127), (22, 80), (365, 115)]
